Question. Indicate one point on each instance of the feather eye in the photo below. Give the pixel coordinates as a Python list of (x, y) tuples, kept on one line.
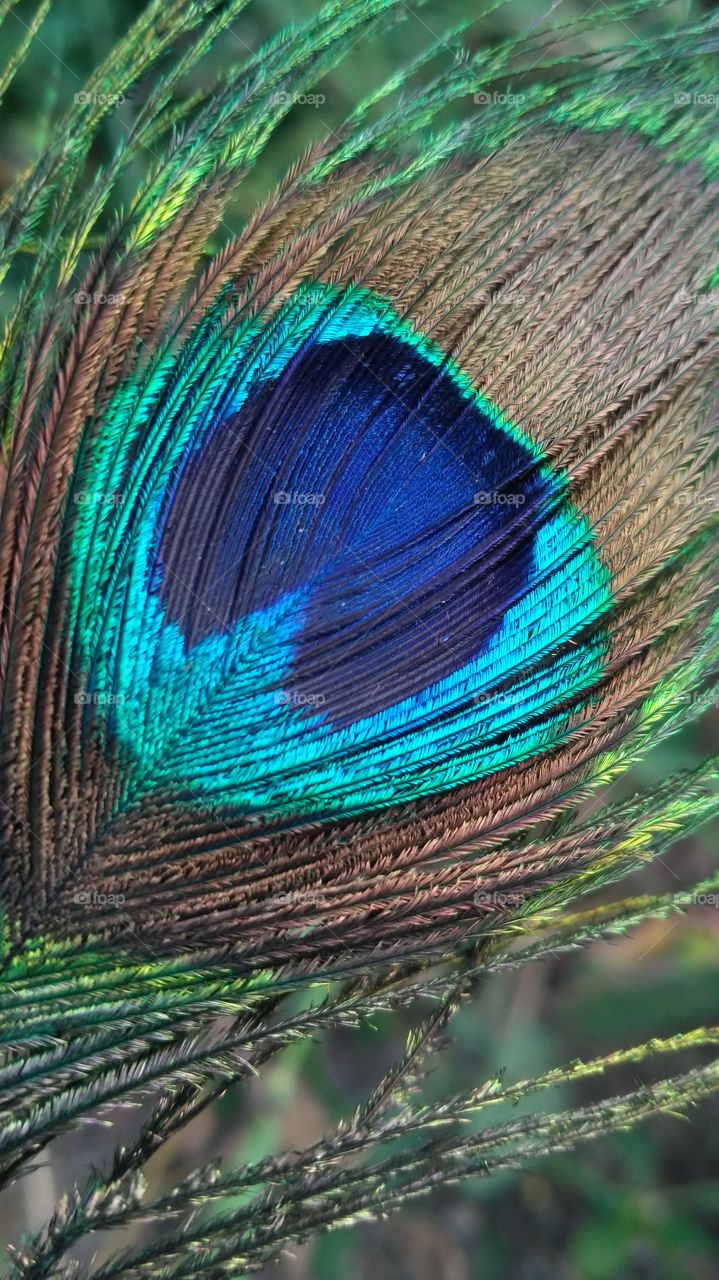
[(383, 546), (385, 553), (386, 536)]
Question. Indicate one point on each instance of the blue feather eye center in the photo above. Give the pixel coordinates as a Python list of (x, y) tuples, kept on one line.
[(333, 574), (363, 476)]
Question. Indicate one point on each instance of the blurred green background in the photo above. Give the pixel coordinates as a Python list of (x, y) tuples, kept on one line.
[(638, 1206)]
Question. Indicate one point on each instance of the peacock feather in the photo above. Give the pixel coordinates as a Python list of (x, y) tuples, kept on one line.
[(344, 558)]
